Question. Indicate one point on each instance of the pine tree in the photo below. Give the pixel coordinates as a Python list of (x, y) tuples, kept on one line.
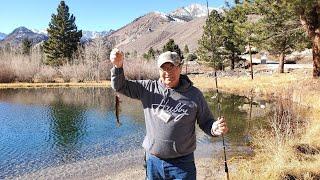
[(210, 44), (171, 46), (233, 41), (247, 27), (26, 46), (309, 14), (186, 50), (151, 53), (282, 31), (63, 37)]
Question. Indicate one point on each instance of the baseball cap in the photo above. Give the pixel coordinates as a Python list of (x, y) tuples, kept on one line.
[(171, 57)]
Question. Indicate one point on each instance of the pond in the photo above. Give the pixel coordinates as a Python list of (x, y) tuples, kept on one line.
[(72, 132)]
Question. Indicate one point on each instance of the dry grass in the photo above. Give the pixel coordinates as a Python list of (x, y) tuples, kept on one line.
[(312, 135), (276, 153), (141, 69), (7, 74), (262, 85), (303, 88), (21, 67), (276, 161), (90, 63)]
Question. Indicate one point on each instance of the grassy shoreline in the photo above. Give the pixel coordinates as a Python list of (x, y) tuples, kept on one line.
[(279, 153), (299, 85)]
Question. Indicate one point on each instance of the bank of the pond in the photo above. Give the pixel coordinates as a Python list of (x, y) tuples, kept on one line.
[(54, 85), (278, 155), (207, 169), (102, 168), (299, 84)]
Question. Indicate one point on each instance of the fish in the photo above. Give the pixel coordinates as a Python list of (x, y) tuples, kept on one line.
[(117, 109)]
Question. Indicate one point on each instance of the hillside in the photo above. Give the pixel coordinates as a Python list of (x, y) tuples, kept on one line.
[(184, 25), (21, 33), (154, 30)]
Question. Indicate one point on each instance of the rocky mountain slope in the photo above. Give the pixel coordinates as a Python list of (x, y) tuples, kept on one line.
[(19, 34), (184, 25)]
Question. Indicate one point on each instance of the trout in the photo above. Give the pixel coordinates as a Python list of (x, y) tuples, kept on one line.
[(117, 109)]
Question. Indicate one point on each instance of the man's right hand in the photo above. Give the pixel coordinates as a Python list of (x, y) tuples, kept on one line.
[(116, 58)]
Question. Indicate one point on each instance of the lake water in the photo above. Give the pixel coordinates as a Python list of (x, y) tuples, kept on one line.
[(72, 132)]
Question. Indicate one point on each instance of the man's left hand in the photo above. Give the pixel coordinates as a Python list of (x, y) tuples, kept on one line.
[(219, 127)]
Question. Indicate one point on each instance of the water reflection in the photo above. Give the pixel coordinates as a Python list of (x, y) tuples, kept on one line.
[(98, 98), (43, 128), (242, 113), (67, 128), (236, 117)]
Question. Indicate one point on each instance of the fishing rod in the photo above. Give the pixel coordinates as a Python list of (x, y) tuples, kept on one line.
[(226, 170)]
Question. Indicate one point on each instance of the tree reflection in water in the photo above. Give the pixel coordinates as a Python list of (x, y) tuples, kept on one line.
[(67, 127), (236, 117)]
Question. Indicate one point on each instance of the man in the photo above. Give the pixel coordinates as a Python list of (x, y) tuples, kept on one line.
[(172, 106)]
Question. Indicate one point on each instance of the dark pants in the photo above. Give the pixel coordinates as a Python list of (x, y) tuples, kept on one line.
[(177, 168)]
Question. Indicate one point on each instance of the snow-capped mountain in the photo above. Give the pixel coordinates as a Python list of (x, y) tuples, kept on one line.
[(2, 36), (86, 35), (43, 31), (21, 33), (192, 11), (36, 36), (153, 29), (89, 35)]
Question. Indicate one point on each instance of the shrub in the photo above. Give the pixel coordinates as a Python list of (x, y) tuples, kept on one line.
[(6, 74), (46, 74), (191, 57), (140, 69)]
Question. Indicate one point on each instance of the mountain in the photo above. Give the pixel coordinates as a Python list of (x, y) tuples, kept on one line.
[(43, 31), (86, 35), (184, 25), (191, 12), (89, 35), (36, 36), (138, 27), (20, 33), (2, 36)]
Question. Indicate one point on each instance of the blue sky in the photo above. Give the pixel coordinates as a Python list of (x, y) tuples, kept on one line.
[(94, 15)]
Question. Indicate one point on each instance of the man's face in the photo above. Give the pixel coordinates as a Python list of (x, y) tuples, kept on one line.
[(170, 74)]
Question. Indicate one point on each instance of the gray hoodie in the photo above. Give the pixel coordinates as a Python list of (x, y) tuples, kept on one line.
[(170, 114)]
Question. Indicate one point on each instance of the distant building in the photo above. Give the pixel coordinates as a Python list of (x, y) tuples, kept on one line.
[(263, 59)]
